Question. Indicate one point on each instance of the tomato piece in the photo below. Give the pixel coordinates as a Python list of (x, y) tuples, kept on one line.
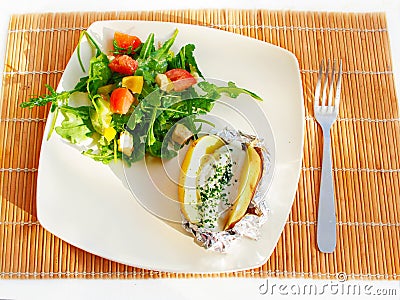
[(123, 64), (125, 43), (121, 100), (181, 78)]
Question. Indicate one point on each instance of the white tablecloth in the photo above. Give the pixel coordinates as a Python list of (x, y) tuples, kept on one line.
[(211, 288)]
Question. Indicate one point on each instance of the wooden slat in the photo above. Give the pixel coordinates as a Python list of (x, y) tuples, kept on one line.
[(365, 144)]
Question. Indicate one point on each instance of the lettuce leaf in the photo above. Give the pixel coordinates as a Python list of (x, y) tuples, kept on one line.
[(74, 127)]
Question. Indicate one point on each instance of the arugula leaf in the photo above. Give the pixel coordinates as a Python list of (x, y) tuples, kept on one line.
[(119, 121), (214, 92), (99, 73), (147, 47), (147, 89), (152, 62), (135, 119), (153, 99), (81, 86), (155, 148), (105, 154), (161, 111), (53, 97), (139, 149), (74, 127), (185, 60), (163, 50)]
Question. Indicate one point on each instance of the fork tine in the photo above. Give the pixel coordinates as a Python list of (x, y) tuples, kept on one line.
[(338, 87), (318, 86), (330, 96), (323, 101)]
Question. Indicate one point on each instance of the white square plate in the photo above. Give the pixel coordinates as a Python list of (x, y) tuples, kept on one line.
[(89, 205)]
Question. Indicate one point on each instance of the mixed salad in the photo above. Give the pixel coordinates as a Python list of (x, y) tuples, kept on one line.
[(138, 95)]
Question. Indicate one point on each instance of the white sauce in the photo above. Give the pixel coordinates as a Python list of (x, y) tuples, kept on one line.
[(218, 178)]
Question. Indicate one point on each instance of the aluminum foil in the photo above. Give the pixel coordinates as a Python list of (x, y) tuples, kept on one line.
[(250, 224)]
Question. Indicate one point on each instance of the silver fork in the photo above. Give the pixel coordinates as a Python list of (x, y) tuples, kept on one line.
[(326, 112)]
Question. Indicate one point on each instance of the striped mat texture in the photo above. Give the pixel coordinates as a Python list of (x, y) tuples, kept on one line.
[(365, 145)]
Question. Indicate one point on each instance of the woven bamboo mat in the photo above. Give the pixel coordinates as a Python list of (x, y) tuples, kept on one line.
[(366, 140)]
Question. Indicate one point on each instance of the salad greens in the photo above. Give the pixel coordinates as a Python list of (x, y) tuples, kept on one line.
[(134, 113)]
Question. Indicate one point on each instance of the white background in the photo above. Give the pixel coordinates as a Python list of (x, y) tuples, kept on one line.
[(212, 288)]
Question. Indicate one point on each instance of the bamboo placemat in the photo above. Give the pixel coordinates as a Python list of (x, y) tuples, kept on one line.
[(366, 140)]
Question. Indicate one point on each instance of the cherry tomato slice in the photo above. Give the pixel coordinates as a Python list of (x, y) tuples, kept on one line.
[(126, 43), (181, 78), (121, 100), (123, 64)]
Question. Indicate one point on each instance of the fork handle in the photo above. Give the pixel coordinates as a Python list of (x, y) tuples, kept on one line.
[(326, 226)]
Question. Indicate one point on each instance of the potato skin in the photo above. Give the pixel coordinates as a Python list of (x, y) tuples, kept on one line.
[(249, 180)]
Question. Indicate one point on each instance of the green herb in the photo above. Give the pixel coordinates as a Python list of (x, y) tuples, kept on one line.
[(53, 97), (185, 60), (119, 122), (148, 47), (212, 193), (99, 74), (56, 99), (213, 91), (105, 154)]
